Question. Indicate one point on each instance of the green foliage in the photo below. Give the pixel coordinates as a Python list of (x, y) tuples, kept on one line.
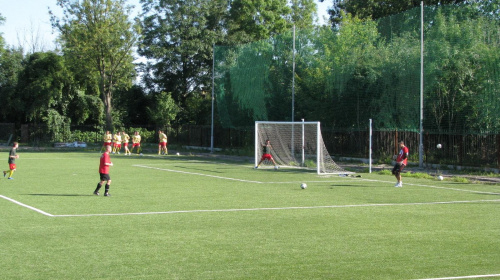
[(460, 179), (254, 20), (178, 37), (164, 110), (97, 38), (310, 163), (44, 88), (366, 69), (374, 9), (10, 67), (147, 136), (58, 126), (84, 136), (417, 175)]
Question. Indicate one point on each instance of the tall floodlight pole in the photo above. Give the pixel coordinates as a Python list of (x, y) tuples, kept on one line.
[(421, 139), (293, 76), (213, 99), (293, 93), (370, 147)]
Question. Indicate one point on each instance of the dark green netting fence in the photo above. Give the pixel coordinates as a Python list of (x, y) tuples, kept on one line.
[(370, 70)]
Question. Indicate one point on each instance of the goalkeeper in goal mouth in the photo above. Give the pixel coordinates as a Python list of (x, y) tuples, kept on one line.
[(266, 155)]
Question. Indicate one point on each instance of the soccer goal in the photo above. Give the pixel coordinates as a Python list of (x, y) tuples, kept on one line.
[(295, 144)]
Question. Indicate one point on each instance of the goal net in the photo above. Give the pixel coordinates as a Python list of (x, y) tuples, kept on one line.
[(295, 144)]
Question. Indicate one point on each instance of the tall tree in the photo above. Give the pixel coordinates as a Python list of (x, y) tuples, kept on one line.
[(252, 20), (44, 87), (98, 38), (178, 40), (375, 9)]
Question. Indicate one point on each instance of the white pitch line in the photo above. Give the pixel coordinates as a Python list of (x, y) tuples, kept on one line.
[(199, 174), (27, 206), (277, 208), (427, 186), (463, 277)]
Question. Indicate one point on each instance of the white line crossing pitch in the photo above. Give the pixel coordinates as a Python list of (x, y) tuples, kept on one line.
[(249, 209)]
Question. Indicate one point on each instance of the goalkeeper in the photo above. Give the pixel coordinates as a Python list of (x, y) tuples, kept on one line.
[(266, 155)]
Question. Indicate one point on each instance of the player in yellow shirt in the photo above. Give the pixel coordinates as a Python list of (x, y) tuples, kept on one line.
[(118, 143), (106, 140), (136, 142), (162, 145), (126, 139)]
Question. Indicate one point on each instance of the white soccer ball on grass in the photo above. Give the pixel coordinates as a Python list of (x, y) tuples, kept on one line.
[(440, 178), (303, 186), (439, 146), (178, 154)]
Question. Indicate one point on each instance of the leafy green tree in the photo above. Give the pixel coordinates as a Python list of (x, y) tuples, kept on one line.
[(98, 38), (178, 37), (252, 20), (164, 110), (376, 9), (44, 88), (10, 66), (2, 40), (461, 83)]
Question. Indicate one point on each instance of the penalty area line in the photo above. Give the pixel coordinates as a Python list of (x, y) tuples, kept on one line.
[(27, 206), (199, 174), (463, 277), (275, 208)]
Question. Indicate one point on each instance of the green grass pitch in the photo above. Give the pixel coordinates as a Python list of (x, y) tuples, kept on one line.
[(187, 217)]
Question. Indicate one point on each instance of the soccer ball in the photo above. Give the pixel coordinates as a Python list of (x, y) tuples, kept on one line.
[(276, 167), (178, 154), (440, 178), (439, 146), (303, 186)]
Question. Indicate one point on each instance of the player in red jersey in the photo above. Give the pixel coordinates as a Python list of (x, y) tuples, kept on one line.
[(266, 154), (104, 165), (401, 162), (12, 161)]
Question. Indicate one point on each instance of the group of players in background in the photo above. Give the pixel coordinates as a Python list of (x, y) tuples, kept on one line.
[(122, 139)]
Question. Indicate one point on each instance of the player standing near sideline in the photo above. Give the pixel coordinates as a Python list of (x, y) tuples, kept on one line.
[(136, 142), (107, 140), (401, 162), (126, 139), (162, 145), (12, 161), (117, 143), (117, 146), (104, 165), (266, 155)]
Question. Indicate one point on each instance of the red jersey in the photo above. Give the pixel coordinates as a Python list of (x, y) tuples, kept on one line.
[(403, 155), (103, 168)]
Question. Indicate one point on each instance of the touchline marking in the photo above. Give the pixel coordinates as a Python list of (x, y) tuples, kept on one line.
[(27, 206), (463, 277), (246, 209), (199, 174)]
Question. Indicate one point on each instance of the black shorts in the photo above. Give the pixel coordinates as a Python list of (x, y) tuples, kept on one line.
[(104, 177), (398, 168)]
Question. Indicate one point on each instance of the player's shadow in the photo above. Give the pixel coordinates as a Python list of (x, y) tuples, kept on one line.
[(52, 194), (348, 185)]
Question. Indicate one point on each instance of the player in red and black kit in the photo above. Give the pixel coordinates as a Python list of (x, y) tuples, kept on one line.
[(401, 162), (266, 154), (104, 165)]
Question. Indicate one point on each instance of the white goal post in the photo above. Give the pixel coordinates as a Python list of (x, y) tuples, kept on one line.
[(295, 144)]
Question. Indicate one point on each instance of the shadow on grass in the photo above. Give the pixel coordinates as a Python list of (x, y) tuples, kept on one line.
[(52, 194)]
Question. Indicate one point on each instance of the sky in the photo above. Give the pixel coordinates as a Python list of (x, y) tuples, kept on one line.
[(27, 22)]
